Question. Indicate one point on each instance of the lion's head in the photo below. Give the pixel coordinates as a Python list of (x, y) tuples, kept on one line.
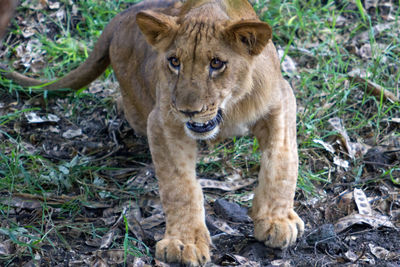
[(205, 63)]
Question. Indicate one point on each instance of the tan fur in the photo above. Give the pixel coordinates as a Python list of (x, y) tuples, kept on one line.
[(6, 10), (159, 99)]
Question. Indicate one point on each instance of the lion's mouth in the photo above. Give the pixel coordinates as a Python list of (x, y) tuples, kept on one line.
[(207, 126)]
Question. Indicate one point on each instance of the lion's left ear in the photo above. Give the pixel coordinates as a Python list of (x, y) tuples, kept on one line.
[(159, 29), (250, 35)]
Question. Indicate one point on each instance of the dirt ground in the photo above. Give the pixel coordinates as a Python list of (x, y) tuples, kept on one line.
[(348, 222), (363, 243)]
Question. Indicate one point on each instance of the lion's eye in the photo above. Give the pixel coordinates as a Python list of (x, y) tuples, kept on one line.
[(174, 62), (217, 64)]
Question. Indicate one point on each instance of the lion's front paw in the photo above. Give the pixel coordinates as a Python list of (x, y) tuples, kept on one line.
[(279, 232), (177, 251)]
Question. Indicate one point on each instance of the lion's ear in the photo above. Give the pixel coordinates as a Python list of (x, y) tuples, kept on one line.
[(250, 35), (159, 29)]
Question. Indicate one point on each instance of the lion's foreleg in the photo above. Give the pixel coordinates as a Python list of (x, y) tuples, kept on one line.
[(186, 239), (275, 222)]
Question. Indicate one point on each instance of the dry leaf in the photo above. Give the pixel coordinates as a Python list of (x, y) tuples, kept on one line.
[(30, 55), (226, 186), (288, 65), (60, 14), (160, 263), (152, 221), (281, 263), (134, 225), (327, 147), (342, 206), (7, 248), (246, 262), (150, 201), (54, 5), (357, 72), (385, 10), (245, 197), (370, 4), (234, 177), (32, 117), (21, 203), (71, 133), (74, 10), (107, 239), (138, 262), (355, 257), (112, 256), (223, 226), (340, 162), (34, 4), (376, 30), (353, 149), (99, 263), (365, 51), (351, 256), (26, 32), (373, 221), (382, 253), (362, 202)]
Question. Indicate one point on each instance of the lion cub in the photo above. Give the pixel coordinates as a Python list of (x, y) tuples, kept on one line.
[(191, 70)]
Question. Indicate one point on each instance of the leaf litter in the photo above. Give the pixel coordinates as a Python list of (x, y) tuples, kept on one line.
[(343, 225)]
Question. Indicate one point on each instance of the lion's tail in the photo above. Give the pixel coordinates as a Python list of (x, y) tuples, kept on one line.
[(88, 71)]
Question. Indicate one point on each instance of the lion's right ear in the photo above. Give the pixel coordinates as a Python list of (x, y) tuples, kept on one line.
[(159, 29)]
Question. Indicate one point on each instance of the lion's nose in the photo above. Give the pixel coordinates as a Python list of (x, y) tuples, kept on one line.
[(189, 113)]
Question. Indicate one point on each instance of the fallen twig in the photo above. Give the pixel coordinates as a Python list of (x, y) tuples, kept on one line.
[(376, 89)]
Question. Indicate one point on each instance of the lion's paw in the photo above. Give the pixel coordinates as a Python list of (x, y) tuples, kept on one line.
[(176, 251), (279, 232)]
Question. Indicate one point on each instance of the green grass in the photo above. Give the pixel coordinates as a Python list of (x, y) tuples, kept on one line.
[(307, 31), (25, 173)]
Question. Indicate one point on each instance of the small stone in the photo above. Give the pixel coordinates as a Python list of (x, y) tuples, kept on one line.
[(323, 234), (231, 211)]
